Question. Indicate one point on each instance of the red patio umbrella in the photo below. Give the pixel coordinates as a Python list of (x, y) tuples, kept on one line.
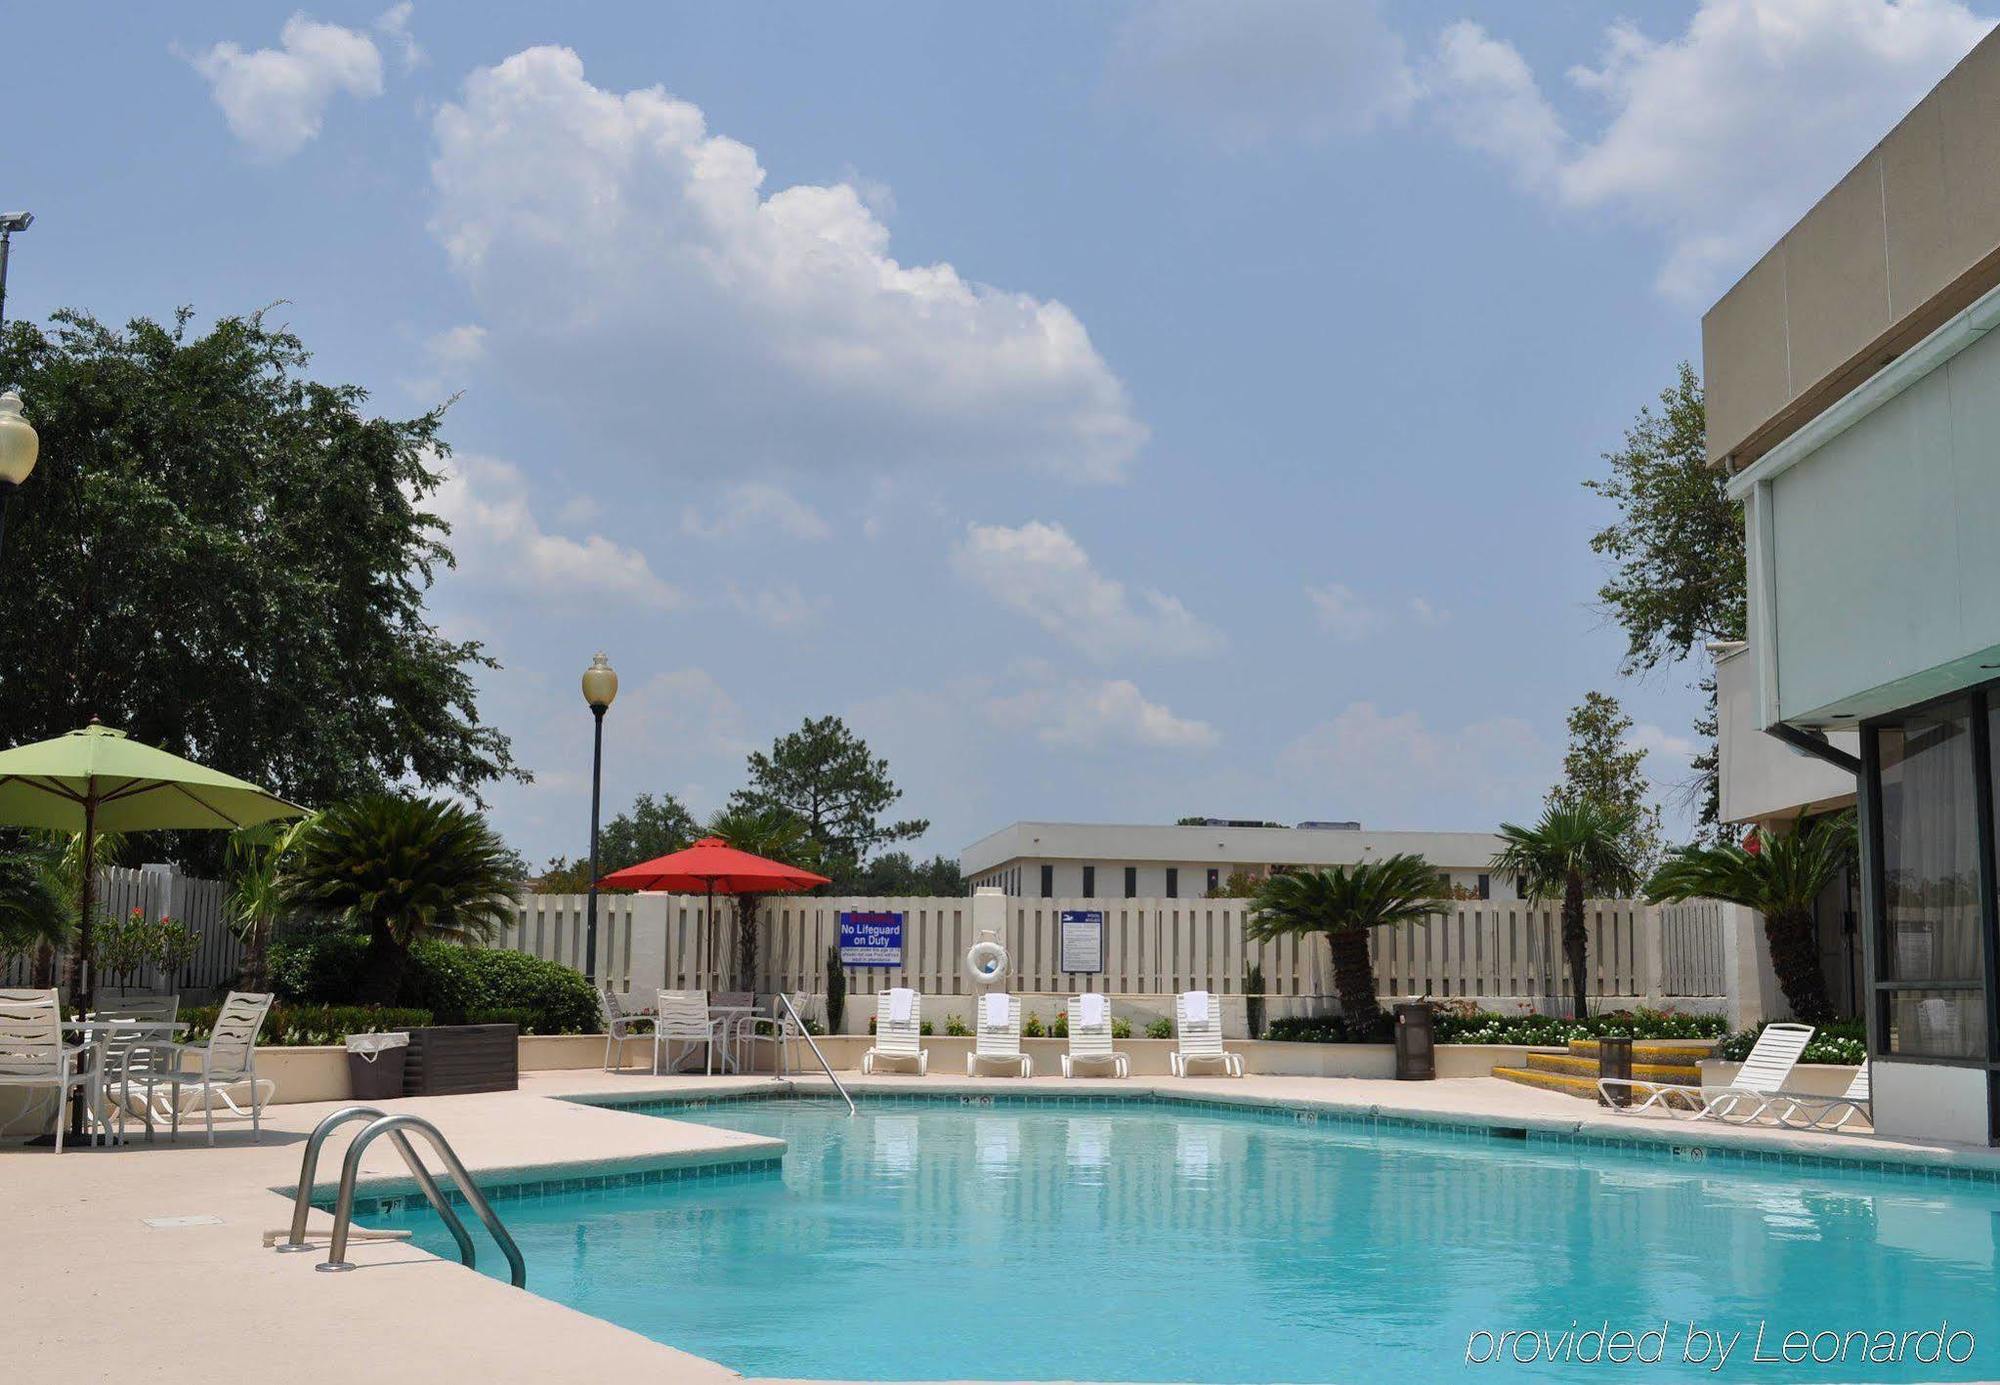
[(715, 867)]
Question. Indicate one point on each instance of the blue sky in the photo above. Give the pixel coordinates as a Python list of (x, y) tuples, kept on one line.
[(1113, 411)]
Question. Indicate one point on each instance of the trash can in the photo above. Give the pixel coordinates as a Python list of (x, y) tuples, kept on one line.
[(1416, 1043), (1614, 1060), (375, 1065)]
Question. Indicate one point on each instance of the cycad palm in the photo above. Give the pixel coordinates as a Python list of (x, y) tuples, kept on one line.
[(1581, 846), (1782, 880), (402, 869), (775, 835), (1346, 903), (37, 915)]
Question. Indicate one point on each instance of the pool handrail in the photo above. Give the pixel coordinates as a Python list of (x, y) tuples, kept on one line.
[(350, 1170), (309, 1166), (825, 1066)]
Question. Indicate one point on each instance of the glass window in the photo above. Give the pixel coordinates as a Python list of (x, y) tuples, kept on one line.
[(1214, 879), (1486, 887), (1173, 882), (1131, 882), (1090, 882), (1048, 882), (1930, 848), (1937, 1024)]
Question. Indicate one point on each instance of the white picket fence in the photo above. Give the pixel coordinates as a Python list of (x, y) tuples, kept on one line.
[(156, 890), (1506, 953)]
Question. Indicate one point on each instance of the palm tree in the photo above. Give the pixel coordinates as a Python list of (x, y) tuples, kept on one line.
[(1581, 846), (36, 915), (1782, 880), (402, 869), (257, 889), (1346, 903), (775, 835)]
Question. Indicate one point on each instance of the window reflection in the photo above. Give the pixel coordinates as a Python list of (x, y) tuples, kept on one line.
[(1930, 848)]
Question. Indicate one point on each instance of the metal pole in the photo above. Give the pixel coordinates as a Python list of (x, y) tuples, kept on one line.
[(5, 238), (596, 781)]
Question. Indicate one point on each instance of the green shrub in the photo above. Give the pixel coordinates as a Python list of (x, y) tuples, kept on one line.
[(1843, 1042), (1253, 1000), (450, 981), (1121, 1028), (1160, 1029), (300, 1026), (956, 1028), (836, 988), (521, 1018), (1458, 1023), (1031, 1027)]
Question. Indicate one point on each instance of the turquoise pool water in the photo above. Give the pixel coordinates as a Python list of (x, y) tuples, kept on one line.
[(1041, 1241)]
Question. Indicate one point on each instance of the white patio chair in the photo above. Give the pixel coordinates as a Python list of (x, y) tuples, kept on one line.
[(227, 1059), (898, 1031), (735, 1009), (1802, 1112), (777, 1029), (1757, 1084), (129, 1058), (623, 1022), (1198, 1036), (1090, 1037), (32, 1053), (684, 1019), (997, 1035)]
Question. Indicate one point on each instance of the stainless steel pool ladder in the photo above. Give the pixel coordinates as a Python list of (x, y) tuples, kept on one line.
[(806, 1034), (381, 1122)]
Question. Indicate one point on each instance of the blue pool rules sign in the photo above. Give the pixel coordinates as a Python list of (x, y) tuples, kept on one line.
[(871, 940), (1082, 941)]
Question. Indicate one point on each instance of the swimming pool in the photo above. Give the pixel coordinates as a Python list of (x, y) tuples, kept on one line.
[(1144, 1240)]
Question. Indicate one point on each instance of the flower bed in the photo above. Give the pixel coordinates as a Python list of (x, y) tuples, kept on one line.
[(1458, 1023)]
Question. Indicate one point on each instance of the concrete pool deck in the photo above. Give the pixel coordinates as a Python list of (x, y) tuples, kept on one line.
[(92, 1288)]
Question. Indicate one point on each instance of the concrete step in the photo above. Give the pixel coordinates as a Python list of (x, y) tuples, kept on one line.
[(1670, 1051), (1585, 1065)]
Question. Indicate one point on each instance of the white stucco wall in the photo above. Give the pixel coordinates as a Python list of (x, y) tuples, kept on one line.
[(1763, 779)]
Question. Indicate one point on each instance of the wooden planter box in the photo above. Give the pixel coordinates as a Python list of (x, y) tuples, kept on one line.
[(450, 1059)]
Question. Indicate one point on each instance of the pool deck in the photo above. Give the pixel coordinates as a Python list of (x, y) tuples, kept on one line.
[(93, 1290)]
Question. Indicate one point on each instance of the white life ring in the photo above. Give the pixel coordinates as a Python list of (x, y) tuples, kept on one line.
[(985, 961)]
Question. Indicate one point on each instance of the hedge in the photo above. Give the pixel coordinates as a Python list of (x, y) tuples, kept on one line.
[(301, 1026), (454, 983), (1461, 1024), (1842, 1042)]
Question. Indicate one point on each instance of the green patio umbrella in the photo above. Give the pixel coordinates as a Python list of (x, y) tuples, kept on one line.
[(98, 780)]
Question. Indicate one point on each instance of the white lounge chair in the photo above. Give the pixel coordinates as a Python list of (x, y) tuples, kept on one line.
[(1802, 1112), (898, 1029), (32, 1053), (623, 1022), (1759, 1082), (228, 1059), (129, 1058), (684, 1019), (1198, 1036), (997, 1035), (1090, 1037)]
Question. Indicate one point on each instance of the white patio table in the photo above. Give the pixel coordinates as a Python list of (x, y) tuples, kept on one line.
[(97, 1034)]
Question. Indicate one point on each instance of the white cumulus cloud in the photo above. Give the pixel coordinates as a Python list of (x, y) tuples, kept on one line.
[(1397, 768), (631, 263), (275, 99), (1039, 571), (1718, 137), (1342, 612), (755, 508), (499, 541), (1090, 715)]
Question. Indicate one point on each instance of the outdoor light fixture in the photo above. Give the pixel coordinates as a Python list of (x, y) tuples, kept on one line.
[(16, 221), (600, 687), (19, 446)]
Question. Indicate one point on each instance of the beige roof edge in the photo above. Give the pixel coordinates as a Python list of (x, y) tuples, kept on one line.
[(1908, 237)]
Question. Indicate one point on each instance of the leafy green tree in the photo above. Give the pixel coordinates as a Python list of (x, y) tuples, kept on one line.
[(1782, 880), (1347, 903), (825, 776), (227, 559), (1602, 766), (1675, 550), (653, 827), (400, 869), (1580, 847), (775, 835), (897, 873), (258, 858)]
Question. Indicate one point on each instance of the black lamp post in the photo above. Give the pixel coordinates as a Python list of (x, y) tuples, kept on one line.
[(600, 686)]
